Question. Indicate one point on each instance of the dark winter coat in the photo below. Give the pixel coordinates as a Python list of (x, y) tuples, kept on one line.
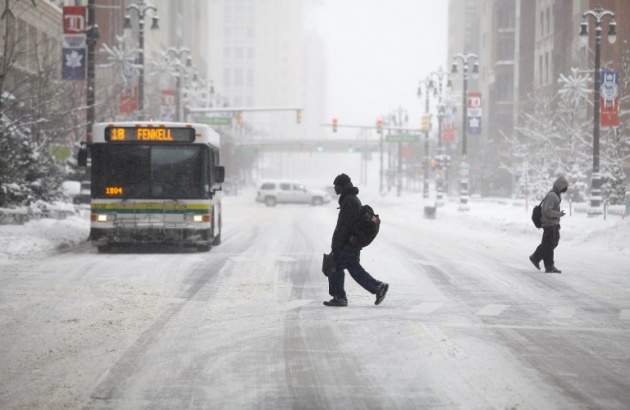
[(349, 209), (551, 204)]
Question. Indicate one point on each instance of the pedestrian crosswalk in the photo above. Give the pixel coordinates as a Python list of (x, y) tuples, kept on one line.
[(505, 310)]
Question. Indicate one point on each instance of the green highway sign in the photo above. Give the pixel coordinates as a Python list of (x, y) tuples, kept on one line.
[(402, 138), (216, 120), (362, 149)]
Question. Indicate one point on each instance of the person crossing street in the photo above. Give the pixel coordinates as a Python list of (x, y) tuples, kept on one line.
[(346, 255), (550, 219)]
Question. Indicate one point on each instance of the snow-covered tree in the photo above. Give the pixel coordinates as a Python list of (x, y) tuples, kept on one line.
[(529, 150), (33, 113), (555, 138)]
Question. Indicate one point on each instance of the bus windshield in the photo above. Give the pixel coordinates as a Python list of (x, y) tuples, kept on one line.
[(150, 172)]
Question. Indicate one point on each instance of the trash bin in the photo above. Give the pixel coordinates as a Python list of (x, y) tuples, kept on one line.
[(430, 211)]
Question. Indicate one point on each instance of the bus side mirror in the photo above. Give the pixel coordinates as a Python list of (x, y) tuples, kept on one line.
[(82, 156), (219, 174)]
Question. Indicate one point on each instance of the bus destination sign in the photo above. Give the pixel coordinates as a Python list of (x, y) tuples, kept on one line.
[(149, 134)]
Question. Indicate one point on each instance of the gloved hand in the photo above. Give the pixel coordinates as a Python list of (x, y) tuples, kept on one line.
[(562, 213)]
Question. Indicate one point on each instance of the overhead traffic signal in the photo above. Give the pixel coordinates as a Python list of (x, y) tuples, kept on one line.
[(299, 116), (239, 117), (334, 124), (426, 123), (379, 126)]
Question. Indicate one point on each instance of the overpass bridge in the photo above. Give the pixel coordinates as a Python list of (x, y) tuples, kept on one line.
[(310, 145), (327, 144)]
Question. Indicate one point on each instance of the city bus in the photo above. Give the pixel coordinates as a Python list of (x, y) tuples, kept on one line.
[(155, 183)]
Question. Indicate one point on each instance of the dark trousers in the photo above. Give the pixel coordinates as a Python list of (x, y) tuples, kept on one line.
[(348, 258), (549, 242)]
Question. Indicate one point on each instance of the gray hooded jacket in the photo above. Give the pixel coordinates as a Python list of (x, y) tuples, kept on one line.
[(551, 203)]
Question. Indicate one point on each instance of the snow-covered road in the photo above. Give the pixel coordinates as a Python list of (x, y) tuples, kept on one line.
[(467, 323)]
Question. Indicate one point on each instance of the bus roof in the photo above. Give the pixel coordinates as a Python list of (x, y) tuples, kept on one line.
[(204, 133)]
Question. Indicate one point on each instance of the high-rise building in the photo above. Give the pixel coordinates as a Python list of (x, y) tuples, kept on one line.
[(523, 48)]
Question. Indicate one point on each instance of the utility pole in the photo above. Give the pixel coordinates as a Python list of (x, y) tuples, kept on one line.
[(92, 38)]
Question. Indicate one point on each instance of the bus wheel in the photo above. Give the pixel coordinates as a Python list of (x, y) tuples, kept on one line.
[(203, 248), (217, 240)]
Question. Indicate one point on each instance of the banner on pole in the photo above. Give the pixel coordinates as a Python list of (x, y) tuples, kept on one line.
[(128, 101), (448, 123), (474, 113), (609, 98), (74, 42), (168, 106)]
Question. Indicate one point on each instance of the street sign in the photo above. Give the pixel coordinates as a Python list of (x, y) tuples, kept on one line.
[(216, 120), (402, 138)]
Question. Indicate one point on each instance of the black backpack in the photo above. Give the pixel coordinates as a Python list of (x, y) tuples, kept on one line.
[(537, 215), (365, 227)]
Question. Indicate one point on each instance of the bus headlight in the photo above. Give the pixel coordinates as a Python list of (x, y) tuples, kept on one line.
[(101, 217), (193, 218)]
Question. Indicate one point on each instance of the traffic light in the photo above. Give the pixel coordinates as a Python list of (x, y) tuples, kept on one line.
[(239, 117), (334, 123), (426, 123), (379, 126), (320, 147), (299, 116)]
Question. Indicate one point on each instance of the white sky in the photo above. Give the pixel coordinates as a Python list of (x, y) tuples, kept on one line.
[(377, 52)]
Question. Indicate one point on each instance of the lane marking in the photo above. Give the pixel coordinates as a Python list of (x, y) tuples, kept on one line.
[(294, 304), (492, 310), (426, 307), (562, 313), (429, 329), (625, 314), (605, 330), (424, 263), (435, 333)]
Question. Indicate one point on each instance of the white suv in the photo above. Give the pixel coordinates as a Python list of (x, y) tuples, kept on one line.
[(273, 192)]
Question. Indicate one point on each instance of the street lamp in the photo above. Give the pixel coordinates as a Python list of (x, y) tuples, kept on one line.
[(598, 14), (399, 118), (141, 9), (433, 83), (465, 58), (429, 87), (178, 54)]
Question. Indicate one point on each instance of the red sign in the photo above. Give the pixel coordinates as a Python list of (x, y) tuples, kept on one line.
[(169, 98), (448, 132), (129, 101), (74, 21), (609, 99), (474, 100)]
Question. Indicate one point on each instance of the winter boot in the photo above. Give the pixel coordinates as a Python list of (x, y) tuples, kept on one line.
[(380, 294), (336, 302)]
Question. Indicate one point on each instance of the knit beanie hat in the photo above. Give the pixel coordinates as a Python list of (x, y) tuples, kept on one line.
[(342, 179)]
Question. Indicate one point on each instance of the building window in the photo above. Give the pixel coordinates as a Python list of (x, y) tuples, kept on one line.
[(548, 22), (506, 49), (505, 87), (547, 68), (227, 78), (238, 77)]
